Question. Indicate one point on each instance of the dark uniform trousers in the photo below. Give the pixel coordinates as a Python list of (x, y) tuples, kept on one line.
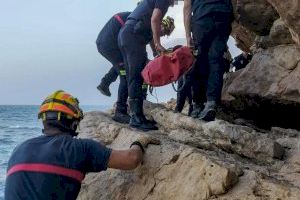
[(114, 56), (133, 48), (210, 34), (185, 84)]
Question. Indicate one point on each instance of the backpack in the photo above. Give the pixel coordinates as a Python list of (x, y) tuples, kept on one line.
[(168, 68)]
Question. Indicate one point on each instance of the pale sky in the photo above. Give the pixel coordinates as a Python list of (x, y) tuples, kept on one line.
[(49, 45)]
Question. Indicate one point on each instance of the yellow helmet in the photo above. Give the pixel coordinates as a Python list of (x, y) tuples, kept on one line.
[(61, 102), (168, 25)]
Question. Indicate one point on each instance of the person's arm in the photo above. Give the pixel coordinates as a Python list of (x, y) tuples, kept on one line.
[(155, 53), (156, 29), (187, 14), (131, 158), (125, 159)]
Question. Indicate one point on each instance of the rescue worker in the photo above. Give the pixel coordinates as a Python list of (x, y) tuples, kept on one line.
[(53, 165), (107, 46), (142, 25), (209, 21), (241, 61)]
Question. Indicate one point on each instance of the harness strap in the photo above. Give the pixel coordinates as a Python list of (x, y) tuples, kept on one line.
[(46, 168), (181, 88), (119, 19)]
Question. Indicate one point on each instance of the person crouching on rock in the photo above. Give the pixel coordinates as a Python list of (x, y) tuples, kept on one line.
[(142, 25), (53, 165)]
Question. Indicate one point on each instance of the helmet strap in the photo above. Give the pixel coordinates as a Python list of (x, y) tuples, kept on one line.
[(61, 122)]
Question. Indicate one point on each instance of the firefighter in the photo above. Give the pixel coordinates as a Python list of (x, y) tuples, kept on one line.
[(107, 46), (142, 26), (53, 165), (208, 26)]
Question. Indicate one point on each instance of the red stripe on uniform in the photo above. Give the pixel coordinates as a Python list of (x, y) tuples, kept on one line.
[(120, 20), (45, 168)]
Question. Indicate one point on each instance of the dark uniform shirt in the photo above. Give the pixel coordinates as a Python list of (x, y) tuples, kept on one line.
[(141, 16), (202, 8), (108, 36), (61, 151)]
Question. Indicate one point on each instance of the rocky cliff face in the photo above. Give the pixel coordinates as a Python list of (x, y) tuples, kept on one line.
[(267, 91), (196, 160)]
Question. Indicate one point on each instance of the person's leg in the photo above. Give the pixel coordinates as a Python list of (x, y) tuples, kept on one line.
[(216, 65), (145, 90), (190, 97), (134, 49), (202, 40), (121, 113), (181, 94), (114, 56), (112, 75)]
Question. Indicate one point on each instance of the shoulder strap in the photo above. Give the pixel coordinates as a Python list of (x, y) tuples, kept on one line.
[(119, 19)]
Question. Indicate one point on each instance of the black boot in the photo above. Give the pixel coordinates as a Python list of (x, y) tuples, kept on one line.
[(123, 118), (181, 95), (138, 119), (104, 88), (190, 109), (151, 121), (110, 77), (209, 111), (121, 115), (197, 108), (179, 107)]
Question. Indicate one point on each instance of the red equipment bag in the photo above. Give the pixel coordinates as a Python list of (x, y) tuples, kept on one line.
[(168, 68)]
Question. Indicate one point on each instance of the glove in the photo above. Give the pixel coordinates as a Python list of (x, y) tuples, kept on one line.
[(155, 54), (144, 140)]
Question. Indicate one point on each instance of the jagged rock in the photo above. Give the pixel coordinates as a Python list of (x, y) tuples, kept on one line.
[(289, 12), (238, 139), (284, 132), (256, 15), (193, 161), (244, 38), (254, 186), (268, 89), (279, 34), (228, 80)]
